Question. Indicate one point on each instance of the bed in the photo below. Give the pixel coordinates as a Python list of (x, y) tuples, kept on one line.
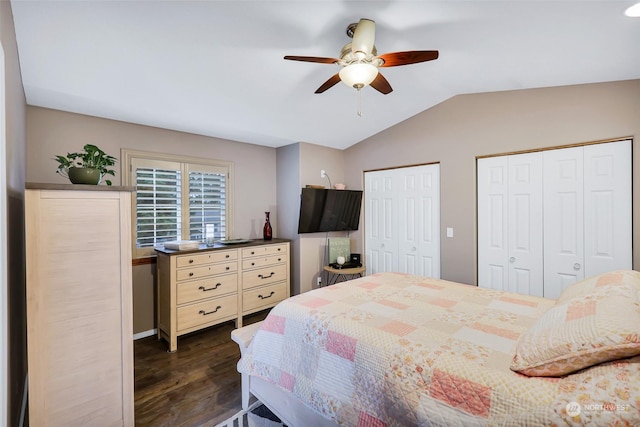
[(400, 350)]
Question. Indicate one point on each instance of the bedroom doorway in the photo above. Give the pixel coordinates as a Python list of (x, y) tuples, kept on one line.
[(402, 220)]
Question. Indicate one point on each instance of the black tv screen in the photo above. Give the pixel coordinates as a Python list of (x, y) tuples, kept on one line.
[(329, 210)]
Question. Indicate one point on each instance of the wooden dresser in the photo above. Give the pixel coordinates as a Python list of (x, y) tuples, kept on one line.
[(203, 287), (79, 309)]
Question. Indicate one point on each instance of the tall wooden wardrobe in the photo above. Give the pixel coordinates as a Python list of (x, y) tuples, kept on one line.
[(79, 305)]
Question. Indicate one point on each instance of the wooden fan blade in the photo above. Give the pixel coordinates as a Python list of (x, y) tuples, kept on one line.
[(409, 57), (329, 83), (312, 59), (381, 84)]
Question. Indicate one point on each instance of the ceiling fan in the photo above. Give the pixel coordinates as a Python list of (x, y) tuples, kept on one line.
[(360, 60)]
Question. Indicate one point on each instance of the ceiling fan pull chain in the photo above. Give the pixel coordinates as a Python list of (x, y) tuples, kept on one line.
[(359, 104)]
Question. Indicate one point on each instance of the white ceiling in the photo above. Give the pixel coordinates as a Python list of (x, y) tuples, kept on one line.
[(216, 68)]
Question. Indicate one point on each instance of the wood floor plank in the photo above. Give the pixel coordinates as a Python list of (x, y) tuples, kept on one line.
[(197, 386)]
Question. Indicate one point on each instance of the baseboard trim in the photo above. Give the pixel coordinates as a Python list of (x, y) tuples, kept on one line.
[(144, 334)]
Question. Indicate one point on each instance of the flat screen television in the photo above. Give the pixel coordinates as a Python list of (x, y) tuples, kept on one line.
[(329, 210)]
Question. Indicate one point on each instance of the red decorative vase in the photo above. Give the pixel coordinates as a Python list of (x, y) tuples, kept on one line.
[(267, 232)]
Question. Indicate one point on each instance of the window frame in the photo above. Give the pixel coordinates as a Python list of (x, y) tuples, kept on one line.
[(187, 163)]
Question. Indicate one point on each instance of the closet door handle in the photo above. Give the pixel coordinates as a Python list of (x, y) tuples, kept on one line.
[(512, 259), (576, 266)]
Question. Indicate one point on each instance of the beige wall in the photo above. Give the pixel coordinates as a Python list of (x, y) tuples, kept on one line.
[(456, 131), (288, 178), (300, 165), (52, 132), (14, 354), (452, 133), (313, 246)]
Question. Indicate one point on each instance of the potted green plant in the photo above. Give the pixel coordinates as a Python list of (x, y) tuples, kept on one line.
[(86, 167)]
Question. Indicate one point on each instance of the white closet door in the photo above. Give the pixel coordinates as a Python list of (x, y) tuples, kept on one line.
[(525, 244), (608, 213), (563, 219), (419, 220), (380, 222), (493, 252), (402, 220), (546, 220), (510, 223)]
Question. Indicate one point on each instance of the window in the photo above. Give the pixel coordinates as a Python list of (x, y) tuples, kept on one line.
[(177, 199)]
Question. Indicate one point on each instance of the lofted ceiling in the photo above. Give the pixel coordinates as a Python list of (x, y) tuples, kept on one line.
[(216, 68)]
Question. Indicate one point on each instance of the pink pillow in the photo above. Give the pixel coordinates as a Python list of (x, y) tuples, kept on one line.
[(587, 285), (594, 327)]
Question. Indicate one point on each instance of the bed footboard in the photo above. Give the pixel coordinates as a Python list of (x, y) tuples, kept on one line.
[(243, 336)]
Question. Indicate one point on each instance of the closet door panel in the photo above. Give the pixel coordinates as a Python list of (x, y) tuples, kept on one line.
[(493, 254), (608, 217), (408, 222), (380, 223), (419, 227), (563, 219), (525, 242)]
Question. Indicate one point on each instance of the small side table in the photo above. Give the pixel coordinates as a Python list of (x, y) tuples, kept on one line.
[(336, 275)]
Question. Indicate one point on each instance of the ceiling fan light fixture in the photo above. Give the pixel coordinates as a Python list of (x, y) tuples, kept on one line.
[(358, 75), (633, 11)]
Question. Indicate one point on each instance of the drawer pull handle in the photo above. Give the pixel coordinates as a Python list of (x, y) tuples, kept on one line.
[(204, 313), (253, 263), (227, 268), (268, 296), (203, 289), (252, 252), (266, 277), (190, 261), (227, 256), (190, 274), (278, 249)]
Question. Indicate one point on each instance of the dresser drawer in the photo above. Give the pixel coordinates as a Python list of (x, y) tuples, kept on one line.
[(250, 263), (194, 290), (207, 311), (264, 296), (264, 276), (264, 250), (195, 260), (207, 270)]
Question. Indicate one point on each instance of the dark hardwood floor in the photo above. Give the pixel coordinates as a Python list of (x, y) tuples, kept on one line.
[(198, 385)]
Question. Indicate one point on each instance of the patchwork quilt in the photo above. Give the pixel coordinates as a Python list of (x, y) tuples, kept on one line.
[(399, 350)]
